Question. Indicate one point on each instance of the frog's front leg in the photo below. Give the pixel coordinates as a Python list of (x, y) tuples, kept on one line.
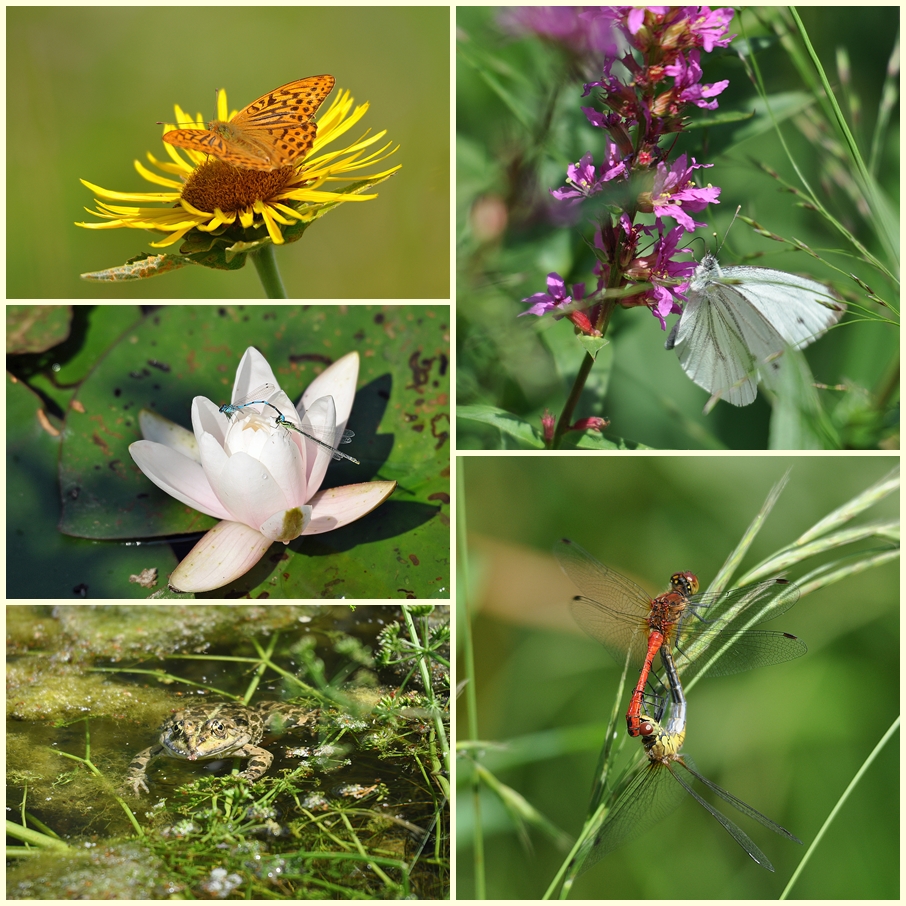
[(138, 769), (259, 761)]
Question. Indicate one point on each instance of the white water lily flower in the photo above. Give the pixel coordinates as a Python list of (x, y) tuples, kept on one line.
[(259, 476)]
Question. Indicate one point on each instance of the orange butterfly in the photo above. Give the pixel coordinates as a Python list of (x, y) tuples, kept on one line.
[(268, 134)]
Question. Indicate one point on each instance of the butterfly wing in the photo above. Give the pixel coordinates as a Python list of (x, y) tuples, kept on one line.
[(280, 122), (224, 142), (290, 105), (202, 140), (798, 309), (720, 340), (271, 132), (289, 144), (739, 320)]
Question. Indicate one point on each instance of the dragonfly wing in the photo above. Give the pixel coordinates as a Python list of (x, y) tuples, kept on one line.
[(648, 797), (611, 609), (268, 399), (610, 629), (598, 581), (713, 624), (734, 652), (738, 803), (741, 607), (735, 832), (763, 601), (269, 393)]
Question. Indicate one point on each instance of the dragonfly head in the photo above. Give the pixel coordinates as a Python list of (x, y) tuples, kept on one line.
[(660, 744), (684, 583)]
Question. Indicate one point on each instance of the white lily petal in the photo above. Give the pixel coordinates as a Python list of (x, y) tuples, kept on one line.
[(248, 490), (178, 476), (337, 507), (288, 525), (207, 419), (339, 381), (253, 371), (160, 430), (273, 446), (252, 492), (226, 552), (321, 414), (292, 473)]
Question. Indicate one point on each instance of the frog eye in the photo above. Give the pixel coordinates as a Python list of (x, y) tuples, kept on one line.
[(217, 727)]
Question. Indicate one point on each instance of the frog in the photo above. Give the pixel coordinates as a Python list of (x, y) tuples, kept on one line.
[(219, 730)]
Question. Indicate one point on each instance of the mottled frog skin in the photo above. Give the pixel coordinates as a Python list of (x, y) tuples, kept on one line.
[(219, 730)]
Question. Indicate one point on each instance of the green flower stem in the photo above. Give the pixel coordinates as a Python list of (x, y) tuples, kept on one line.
[(268, 272), (566, 416)]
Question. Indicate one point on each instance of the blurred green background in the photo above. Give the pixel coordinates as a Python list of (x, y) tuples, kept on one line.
[(519, 126), (87, 85), (786, 739)]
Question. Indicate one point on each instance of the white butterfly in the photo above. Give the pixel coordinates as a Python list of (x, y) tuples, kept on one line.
[(738, 322)]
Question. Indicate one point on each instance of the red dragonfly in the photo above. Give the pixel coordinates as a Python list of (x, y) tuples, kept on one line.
[(708, 631)]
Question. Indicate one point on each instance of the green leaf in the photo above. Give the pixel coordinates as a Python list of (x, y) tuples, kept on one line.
[(798, 421), (592, 345), (756, 44), (719, 119), (592, 440), (784, 105), (504, 421)]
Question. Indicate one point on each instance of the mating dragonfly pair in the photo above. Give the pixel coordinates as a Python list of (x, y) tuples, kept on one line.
[(695, 635)]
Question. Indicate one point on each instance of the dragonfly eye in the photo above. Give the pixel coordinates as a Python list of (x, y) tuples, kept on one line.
[(684, 583), (646, 729)]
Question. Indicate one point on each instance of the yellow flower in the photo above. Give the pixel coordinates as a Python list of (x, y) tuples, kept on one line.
[(230, 205)]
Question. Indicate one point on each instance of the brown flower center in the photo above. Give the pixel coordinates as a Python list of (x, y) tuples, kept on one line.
[(218, 185)]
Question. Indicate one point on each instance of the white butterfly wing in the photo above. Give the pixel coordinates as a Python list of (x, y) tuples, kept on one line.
[(708, 340), (739, 320), (800, 310)]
